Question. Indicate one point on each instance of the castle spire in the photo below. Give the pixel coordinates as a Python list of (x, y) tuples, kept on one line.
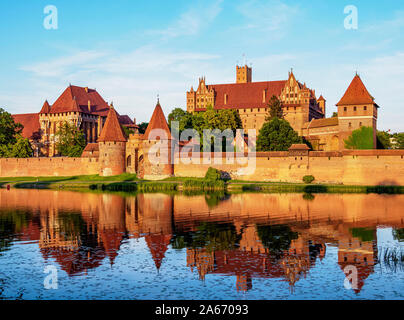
[(112, 131)]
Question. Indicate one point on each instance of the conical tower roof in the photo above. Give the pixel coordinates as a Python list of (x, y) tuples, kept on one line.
[(112, 131), (46, 107), (158, 121), (356, 94)]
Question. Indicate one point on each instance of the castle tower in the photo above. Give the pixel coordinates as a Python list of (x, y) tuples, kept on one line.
[(112, 145), (356, 108), (321, 103), (157, 140), (244, 74)]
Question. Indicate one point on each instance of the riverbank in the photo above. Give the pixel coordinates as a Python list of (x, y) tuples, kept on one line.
[(130, 183)]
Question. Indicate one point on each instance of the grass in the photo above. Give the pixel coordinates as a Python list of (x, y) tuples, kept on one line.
[(130, 183), (123, 177)]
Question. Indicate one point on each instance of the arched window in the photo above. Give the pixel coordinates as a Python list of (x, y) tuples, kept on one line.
[(129, 161)]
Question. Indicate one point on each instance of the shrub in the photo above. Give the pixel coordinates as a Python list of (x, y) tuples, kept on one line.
[(213, 174), (308, 179)]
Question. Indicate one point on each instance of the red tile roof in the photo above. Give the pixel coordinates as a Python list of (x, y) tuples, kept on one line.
[(157, 121), (356, 94), (299, 146), (112, 130), (46, 107), (125, 120), (82, 96), (245, 95), (318, 123), (30, 121)]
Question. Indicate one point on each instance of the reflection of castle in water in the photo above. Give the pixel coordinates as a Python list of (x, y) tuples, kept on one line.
[(248, 236)]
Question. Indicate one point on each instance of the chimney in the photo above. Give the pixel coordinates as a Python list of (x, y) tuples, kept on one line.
[(89, 106), (86, 88), (134, 120)]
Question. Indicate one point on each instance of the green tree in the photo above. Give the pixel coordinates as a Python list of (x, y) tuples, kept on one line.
[(399, 138), (383, 140), (127, 131), (361, 139), (275, 109), (277, 135), (8, 128), (183, 118), (21, 149), (334, 114), (70, 140), (143, 127)]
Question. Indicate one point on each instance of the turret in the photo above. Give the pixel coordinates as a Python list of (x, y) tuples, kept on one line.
[(357, 108), (158, 162), (112, 145), (244, 74)]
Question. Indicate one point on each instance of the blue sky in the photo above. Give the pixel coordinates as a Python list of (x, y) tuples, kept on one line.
[(131, 50)]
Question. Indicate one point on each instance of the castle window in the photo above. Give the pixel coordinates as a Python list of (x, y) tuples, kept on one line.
[(345, 108), (350, 125), (365, 108), (354, 108), (360, 124)]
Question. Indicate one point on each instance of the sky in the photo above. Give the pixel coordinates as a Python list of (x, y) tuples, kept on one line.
[(131, 51)]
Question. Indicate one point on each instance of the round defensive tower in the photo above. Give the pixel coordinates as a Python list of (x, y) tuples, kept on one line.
[(112, 146)]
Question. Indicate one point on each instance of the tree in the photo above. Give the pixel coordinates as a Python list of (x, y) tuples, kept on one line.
[(275, 108), (183, 118), (277, 135), (127, 131), (399, 140), (8, 128), (383, 140), (334, 114), (143, 127), (21, 149), (12, 144), (70, 140), (361, 139)]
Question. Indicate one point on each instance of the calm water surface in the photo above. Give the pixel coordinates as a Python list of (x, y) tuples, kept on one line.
[(157, 246)]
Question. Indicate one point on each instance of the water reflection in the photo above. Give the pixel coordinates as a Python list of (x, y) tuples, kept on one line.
[(247, 236)]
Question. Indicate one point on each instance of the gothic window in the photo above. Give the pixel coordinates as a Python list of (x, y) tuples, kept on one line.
[(354, 108), (345, 108), (365, 108)]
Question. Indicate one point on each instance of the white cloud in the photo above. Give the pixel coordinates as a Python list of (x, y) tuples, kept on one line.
[(132, 80), (192, 21), (267, 16)]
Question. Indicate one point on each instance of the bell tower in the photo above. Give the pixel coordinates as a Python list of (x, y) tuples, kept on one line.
[(244, 74)]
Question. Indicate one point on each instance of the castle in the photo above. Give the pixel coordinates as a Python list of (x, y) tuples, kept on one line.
[(301, 108), (81, 106), (110, 152)]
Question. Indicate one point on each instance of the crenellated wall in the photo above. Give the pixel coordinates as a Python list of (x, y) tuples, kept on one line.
[(373, 167), (367, 167), (45, 167)]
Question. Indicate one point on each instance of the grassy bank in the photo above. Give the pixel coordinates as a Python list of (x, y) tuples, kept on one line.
[(130, 183)]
